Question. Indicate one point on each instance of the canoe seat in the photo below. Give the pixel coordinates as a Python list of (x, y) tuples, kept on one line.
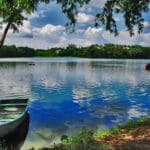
[(5, 120), (14, 104), (7, 113)]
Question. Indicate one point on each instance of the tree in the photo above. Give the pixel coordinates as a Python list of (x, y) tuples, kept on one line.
[(11, 12), (130, 9)]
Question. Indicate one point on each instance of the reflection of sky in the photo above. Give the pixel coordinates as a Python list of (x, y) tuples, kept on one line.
[(66, 94), (14, 80)]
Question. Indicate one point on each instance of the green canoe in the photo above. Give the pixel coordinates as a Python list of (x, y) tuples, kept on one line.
[(12, 113)]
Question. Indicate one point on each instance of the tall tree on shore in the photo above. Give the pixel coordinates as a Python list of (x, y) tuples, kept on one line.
[(11, 13)]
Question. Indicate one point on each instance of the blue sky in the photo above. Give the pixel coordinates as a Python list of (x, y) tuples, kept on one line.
[(45, 29)]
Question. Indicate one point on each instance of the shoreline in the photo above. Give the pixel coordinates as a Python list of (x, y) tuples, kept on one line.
[(92, 51), (131, 135)]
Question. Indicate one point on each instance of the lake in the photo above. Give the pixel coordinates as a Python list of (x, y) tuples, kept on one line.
[(67, 94)]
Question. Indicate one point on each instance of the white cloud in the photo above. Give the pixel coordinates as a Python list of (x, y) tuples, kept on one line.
[(50, 35), (84, 18), (146, 24), (93, 32), (50, 29), (93, 3), (125, 39), (31, 16), (84, 37), (26, 30), (55, 36), (95, 35)]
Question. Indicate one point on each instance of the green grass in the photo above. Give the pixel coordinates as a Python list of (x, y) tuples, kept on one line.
[(85, 139), (128, 126)]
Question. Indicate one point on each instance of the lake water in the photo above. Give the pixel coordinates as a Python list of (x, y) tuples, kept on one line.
[(69, 93)]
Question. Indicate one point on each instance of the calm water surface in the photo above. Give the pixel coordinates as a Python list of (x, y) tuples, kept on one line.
[(69, 93)]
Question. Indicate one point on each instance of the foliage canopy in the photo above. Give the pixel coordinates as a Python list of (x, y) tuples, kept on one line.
[(93, 51), (12, 13)]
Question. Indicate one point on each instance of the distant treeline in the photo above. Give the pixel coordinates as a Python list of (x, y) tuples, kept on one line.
[(93, 51)]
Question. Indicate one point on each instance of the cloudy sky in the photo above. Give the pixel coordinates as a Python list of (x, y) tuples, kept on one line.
[(45, 29)]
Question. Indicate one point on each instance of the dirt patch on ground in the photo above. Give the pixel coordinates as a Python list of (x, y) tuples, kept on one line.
[(137, 138)]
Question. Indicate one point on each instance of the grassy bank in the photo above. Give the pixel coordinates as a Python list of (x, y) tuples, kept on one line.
[(132, 135)]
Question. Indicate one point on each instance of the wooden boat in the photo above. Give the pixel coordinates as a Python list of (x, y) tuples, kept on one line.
[(12, 113)]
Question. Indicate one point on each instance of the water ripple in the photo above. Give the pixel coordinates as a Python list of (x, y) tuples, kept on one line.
[(69, 93)]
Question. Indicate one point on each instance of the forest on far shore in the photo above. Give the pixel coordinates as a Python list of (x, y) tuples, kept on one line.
[(93, 51)]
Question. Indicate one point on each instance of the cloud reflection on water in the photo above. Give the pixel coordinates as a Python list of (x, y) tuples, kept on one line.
[(69, 93)]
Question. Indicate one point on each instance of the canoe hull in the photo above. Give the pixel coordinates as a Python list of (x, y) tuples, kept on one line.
[(16, 139), (12, 114), (8, 128)]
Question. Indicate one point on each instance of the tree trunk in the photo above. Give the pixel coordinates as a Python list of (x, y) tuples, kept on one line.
[(4, 34)]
